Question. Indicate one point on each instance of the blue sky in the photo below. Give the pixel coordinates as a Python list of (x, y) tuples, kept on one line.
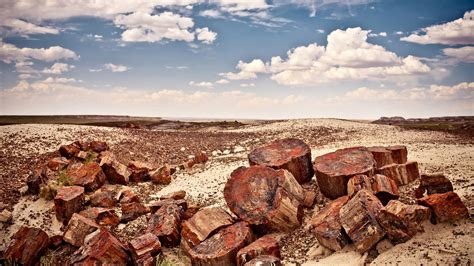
[(237, 59)]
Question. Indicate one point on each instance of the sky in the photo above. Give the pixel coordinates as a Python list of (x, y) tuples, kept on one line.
[(268, 59)]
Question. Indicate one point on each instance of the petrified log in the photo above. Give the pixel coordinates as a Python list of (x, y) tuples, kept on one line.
[(291, 154), (102, 248), (116, 172), (382, 186), (222, 247), (103, 198), (402, 221), (177, 195), (399, 153), (334, 169), (266, 245), (446, 207), (57, 163), (382, 156), (36, 180), (78, 228), (69, 151), (434, 184), (156, 205), (203, 224), (143, 248), (402, 174), (264, 197), (326, 225), (26, 246), (139, 171), (128, 196), (98, 146), (200, 158), (264, 260), (83, 145), (133, 210), (90, 176), (358, 218), (161, 175), (309, 197), (190, 211), (166, 224), (68, 200), (102, 216)]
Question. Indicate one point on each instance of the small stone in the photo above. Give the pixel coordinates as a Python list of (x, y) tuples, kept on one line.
[(131, 211), (161, 175), (5, 216)]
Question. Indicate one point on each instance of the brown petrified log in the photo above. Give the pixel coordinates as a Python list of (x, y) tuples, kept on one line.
[(402, 221), (291, 154), (222, 247), (69, 151), (144, 249), (116, 172), (133, 210), (334, 169), (203, 224), (102, 216), (265, 245), (98, 146), (177, 195), (139, 171), (433, 184), (382, 156), (161, 175), (402, 174), (103, 198), (128, 196), (382, 186), (68, 200), (326, 225), (358, 218), (90, 176), (156, 205), (267, 198), (26, 246), (78, 228), (101, 248), (264, 260), (36, 180), (399, 153), (309, 198), (57, 163), (446, 207), (166, 224)]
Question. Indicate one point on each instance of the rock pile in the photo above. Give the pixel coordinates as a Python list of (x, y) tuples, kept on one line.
[(264, 200)]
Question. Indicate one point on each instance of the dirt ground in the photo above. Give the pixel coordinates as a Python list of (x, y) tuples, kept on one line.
[(23, 146)]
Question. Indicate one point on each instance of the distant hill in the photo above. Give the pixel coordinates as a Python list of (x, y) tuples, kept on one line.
[(453, 124)]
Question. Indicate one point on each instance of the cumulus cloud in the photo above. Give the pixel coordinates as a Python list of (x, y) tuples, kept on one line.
[(247, 85), (347, 56), (115, 68), (222, 81), (58, 80), (464, 54), (10, 53), (459, 31), (204, 84), (58, 68), (24, 28), (205, 35), (211, 13)]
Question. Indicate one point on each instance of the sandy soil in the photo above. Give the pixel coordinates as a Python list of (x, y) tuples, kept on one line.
[(435, 152)]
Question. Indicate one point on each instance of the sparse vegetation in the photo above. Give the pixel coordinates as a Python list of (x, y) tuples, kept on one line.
[(91, 157), (49, 190), (163, 261)]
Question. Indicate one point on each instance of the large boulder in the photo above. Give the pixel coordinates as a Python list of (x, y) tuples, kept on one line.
[(68, 201), (26, 246)]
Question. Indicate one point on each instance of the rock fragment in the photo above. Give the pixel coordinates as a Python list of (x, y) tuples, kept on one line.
[(78, 228), (133, 210), (446, 207), (69, 151), (382, 186), (265, 245), (102, 216), (144, 249), (166, 224), (382, 156), (399, 153), (116, 172), (139, 171), (402, 174), (90, 176), (26, 246), (103, 198), (433, 184), (161, 175), (68, 201)]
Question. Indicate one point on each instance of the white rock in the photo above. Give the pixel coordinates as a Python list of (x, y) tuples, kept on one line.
[(182, 149), (238, 149), (23, 190), (5, 216), (121, 226), (214, 153), (226, 152)]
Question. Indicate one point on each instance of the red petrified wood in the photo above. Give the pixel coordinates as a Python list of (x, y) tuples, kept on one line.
[(166, 224), (446, 207), (266, 245), (140, 171), (103, 198), (90, 176), (102, 248), (402, 174), (26, 246), (69, 151), (116, 172), (161, 175), (78, 228), (36, 180), (383, 187), (399, 153), (131, 211), (327, 225), (102, 216), (57, 163), (68, 200), (382, 155), (98, 146), (402, 221), (291, 154), (334, 169), (222, 248), (433, 184), (144, 249), (358, 218), (267, 198), (203, 224)]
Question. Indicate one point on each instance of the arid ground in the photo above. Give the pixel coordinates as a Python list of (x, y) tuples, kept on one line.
[(23, 146)]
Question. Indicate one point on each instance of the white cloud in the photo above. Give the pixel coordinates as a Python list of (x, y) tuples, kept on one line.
[(10, 53), (459, 31), (211, 13), (240, 5), (58, 80), (247, 85), (382, 34), (115, 68), (177, 67), (205, 35), (320, 31), (204, 84), (58, 68), (314, 5), (464, 54), (347, 56), (23, 27), (222, 81), (399, 32)]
